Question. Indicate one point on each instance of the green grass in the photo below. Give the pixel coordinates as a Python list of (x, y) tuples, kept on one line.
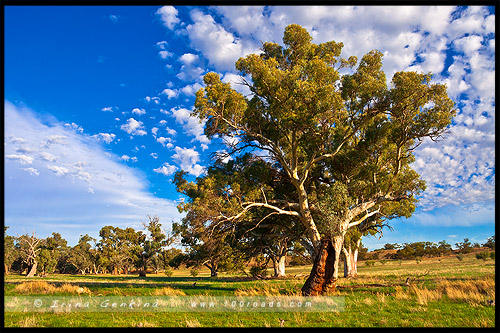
[(441, 295)]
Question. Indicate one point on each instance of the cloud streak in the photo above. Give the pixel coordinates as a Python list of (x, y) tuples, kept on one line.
[(85, 186)]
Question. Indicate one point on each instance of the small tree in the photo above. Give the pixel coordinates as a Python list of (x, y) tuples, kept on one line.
[(464, 247), (30, 248), (152, 244), (483, 255), (80, 256), (490, 243), (194, 272), (460, 256)]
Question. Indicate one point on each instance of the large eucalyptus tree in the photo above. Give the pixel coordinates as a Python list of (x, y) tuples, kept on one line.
[(344, 143)]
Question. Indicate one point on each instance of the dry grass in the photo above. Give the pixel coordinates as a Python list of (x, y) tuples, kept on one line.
[(472, 291), (42, 287), (144, 323), (28, 322), (168, 291), (192, 323), (425, 295), (73, 289), (257, 291), (38, 287), (400, 293)]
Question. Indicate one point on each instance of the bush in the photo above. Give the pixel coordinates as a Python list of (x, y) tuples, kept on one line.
[(492, 255), (483, 255), (194, 272), (369, 263), (168, 272), (418, 260), (383, 261), (258, 271), (460, 256)]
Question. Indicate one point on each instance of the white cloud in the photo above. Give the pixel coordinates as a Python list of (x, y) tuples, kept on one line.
[(191, 89), (32, 171), (162, 45), (166, 169), (59, 170), (154, 155), (134, 127), (47, 156), (171, 131), (155, 100), (188, 159), (75, 127), (23, 159), (107, 109), (165, 54), (190, 69), (164, 141), (219, 47), (191, 125), (168, 15), (170, 93), (55, 140), (125, 157), (189, 58), (139, 111), (106, 137)]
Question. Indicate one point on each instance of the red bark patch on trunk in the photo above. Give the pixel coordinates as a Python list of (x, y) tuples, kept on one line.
[(321, 278)]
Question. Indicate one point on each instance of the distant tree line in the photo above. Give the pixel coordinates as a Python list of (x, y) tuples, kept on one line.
[(427, 249), (116, 251)]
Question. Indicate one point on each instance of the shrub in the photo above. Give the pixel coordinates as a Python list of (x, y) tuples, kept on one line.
[(492, 255), (460, 256), (369, 263), (258, 271), (194, 272), (383, 261), (483, 255), (418, 260), (168, 272)]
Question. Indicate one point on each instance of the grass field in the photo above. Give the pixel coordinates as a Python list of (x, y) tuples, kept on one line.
[(442, 292)]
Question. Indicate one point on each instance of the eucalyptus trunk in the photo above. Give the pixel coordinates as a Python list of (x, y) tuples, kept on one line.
[(351, 260), (325, 270), (279, 265), (32, 270)]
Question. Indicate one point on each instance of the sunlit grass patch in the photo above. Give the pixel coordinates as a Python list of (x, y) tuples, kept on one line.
[(425, 295), (42, 287), (38, 287), (168, 291), (29, 321), (73, 289), (257, 291)]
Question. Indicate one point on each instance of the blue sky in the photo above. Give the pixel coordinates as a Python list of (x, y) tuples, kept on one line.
[(97, 103)]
